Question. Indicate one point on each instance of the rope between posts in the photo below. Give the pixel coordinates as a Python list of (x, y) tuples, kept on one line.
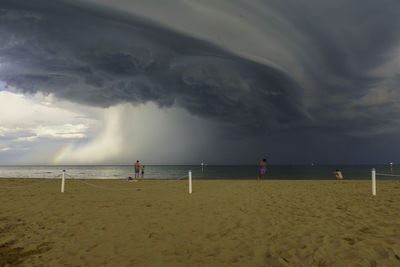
[(387, 174), (31, 185), (129, 189), (26, 186), (117, 178)]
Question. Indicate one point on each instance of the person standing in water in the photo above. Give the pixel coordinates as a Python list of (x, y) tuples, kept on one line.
[(142, 171), (338, 174), (137, 169), (263, 166)]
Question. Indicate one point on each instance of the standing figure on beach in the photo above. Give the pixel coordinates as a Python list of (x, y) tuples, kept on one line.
[(338, 174), (137, 169), (263, 166), (142, 171)]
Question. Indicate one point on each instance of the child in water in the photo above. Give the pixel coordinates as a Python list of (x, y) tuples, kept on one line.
[(142, 171), (263, 166), (338, 174)]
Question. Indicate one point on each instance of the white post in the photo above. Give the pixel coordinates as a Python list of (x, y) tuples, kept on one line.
[(373, 177), (63, 181), (190, 181)]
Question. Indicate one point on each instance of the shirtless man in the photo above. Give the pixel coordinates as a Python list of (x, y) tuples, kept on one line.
[(263, 165), (137, 169)]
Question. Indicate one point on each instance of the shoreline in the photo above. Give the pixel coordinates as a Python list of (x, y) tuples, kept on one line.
[(203, 179)]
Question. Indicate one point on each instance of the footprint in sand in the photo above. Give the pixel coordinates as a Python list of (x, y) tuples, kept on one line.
[(351, 241)]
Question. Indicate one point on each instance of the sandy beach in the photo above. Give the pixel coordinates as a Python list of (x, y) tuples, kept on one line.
[(223, 223)]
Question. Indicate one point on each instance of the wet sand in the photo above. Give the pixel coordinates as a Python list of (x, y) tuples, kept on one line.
[(223, 223)]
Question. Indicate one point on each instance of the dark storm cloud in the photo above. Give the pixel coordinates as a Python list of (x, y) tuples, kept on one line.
[(89, 57), (98, 57), (344, 42)]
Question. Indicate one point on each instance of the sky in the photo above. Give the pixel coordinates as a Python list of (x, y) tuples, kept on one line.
[(178, 82)]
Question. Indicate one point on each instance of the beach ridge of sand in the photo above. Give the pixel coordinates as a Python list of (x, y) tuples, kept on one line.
[(223, 223)]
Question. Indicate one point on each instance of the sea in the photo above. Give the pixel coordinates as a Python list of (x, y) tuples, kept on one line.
[(280, 172)]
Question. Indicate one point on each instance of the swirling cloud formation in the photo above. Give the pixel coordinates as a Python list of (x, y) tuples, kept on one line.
[(259, 67)]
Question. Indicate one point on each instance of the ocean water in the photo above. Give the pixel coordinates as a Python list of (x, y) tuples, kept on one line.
[(282, 172)]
